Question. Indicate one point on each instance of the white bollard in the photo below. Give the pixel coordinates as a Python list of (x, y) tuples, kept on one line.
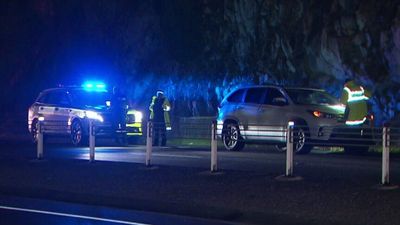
[(289, 149), (149, 143), (92, 140), (385, 155), (214, 143), (40, 139)]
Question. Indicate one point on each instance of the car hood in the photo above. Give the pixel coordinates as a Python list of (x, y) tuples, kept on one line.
[(333, 109), (100, 109)]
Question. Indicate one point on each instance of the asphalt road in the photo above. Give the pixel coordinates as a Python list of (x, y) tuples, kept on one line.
[(257, 158), (335, 188), (28, 211)]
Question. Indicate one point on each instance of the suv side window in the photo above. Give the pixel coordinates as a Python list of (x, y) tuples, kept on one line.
[(236, 96), (254, 95), (275, 97)]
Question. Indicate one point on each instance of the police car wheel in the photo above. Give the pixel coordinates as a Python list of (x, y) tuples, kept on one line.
[(76, 133), (34, 131)]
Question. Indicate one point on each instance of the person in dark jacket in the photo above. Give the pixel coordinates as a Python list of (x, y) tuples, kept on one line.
[(159, 114), (119, 106)]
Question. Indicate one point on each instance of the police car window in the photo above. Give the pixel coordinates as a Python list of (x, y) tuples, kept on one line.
[(237, 96), (274, 97), (42, 98), (51, 98), (57, 98), (254, 95), (62, 99), (92, 99)]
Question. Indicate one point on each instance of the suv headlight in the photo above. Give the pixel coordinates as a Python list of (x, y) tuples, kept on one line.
[(94, 116)]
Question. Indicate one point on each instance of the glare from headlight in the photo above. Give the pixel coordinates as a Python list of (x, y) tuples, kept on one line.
[(94, 116), (138, 117), (340, 108)]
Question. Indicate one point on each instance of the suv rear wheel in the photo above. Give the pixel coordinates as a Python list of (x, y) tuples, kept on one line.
[(231, 137)]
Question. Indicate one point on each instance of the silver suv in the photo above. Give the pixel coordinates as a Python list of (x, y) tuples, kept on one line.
[(68, 110), (261, 113)]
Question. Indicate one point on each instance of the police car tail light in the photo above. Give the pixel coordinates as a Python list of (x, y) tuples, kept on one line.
[(94, 116)]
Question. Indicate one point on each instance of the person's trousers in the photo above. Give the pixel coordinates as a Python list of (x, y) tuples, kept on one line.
[(160, 130)]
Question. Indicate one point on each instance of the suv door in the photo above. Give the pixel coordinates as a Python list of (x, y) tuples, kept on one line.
[(250, 111), (232, 108), (272, 115)]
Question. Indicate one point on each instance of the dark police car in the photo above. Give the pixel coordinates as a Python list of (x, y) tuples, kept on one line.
[(66, 111)]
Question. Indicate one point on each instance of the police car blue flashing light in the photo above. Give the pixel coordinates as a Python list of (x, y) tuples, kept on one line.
[(94, 86)]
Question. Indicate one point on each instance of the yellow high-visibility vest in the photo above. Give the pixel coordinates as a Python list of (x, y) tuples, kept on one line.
[(166, 107), (355, 98)]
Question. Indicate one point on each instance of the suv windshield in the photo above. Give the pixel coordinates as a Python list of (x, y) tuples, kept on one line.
[(90, 99), (311, 97)]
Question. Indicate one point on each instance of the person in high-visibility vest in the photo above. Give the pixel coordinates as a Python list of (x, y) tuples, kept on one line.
[(159, 114), (355, 97)]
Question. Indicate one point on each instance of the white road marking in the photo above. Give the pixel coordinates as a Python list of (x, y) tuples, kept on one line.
[(178, 156), (104, 155), (71, 215)]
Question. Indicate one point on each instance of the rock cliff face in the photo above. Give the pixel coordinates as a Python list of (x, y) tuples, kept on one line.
[(199, 50), (318, 43)]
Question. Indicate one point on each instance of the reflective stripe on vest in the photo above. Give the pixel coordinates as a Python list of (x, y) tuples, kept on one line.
[(355, 96), (355, 122)]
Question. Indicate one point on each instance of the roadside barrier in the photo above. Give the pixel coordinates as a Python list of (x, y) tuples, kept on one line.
[(39, 154), (385, 155), (149, 143), (289, 149), (214, 147), (92, 140), (290, 138)]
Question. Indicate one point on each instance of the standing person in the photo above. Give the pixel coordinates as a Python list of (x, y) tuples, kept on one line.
[(159, 114), (119, 106), (355, 97)]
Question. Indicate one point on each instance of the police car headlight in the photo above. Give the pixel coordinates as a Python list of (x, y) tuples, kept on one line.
[(94, 116), (138, 117)]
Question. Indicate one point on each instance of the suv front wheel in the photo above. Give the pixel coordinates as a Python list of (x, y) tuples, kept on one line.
[(231, 137), (300, 145)]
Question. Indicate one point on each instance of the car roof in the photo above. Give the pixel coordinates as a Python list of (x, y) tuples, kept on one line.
[(279, 86), (68, 88)]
